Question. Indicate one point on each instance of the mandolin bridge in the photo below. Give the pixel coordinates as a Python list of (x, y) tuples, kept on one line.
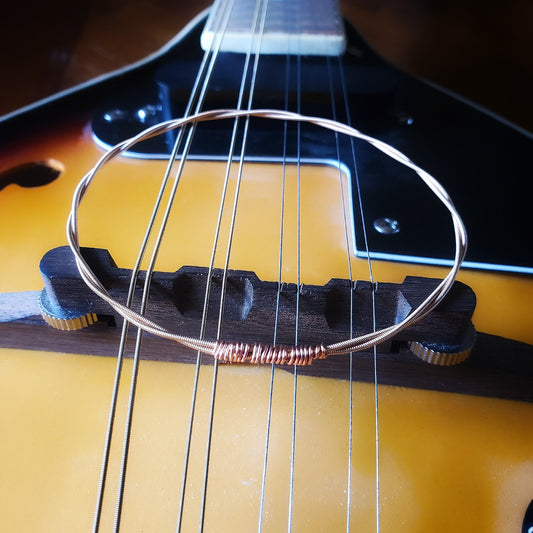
[(252, 310)]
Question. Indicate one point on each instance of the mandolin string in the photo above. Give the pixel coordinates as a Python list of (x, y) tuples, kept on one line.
[(257, 30), (203, 326), (278, 296), (72, 232), (298, 284), (203, 74), (221, 22), (280, 283), (202, 330), (166, 216), (351, 280), (356, 181), (298, 290), (120, 355), (194, 392), (149, 273)]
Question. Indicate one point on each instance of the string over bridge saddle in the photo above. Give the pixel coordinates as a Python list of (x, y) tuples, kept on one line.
[(323, 315), (327, 314)]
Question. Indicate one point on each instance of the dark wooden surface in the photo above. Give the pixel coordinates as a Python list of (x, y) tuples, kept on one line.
[(481, 50), (177, 304), (497, 367)]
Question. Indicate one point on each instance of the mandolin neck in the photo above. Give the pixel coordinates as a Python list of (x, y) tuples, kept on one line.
[(296, 27)]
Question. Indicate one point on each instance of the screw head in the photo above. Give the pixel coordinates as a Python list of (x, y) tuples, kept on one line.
[(354, 51), (386, 225), (115, 114), (405, 119), (147, 114)]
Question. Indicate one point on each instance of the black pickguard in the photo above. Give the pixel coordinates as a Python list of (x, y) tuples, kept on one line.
[(481, 160)]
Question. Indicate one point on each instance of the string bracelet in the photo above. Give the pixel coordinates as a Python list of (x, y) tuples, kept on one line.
[(240, 352)]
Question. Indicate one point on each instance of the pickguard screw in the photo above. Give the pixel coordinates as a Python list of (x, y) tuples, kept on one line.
[(386, 226), (353, 51), (147, 114), (405, 119), (115, 114)]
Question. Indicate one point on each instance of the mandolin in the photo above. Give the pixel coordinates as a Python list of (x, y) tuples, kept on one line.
[(273, 239)]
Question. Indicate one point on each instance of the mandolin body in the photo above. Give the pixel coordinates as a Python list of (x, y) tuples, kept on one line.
[(447, 461)]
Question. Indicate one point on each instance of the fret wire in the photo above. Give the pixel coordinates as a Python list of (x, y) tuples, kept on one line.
[(371, 278)]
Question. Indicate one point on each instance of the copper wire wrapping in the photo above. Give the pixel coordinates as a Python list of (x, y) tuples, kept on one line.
[(242, 352)]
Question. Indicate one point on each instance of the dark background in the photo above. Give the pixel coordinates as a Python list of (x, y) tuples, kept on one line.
[(481, 50)]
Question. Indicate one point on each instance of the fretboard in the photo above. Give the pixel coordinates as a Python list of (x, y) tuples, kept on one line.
[(299, 27)]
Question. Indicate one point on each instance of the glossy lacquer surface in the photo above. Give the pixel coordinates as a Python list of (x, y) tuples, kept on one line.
[(447, 462)]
